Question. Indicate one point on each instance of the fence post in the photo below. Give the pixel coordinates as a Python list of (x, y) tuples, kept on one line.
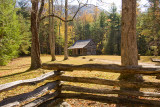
[(57, 100), (60, 85)]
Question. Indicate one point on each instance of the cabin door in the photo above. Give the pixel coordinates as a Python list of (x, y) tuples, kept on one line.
[(79, 51)]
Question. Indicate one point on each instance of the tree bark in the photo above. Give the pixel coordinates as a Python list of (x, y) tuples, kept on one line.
[(51, 32), (66, 31), (157, 16), (129, 50), (129, 40), (59, 46), (35, 47)]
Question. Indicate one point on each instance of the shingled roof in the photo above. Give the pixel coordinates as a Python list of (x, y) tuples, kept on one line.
[(80, 44)]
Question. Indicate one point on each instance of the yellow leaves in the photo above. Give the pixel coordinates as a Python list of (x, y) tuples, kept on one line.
[(96, 10), (70, 31), (158, 32), (45, 22), (87, 17), (46, 9), (146, 32)]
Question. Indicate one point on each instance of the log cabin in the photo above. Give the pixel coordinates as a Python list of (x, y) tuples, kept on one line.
[(83, 47)]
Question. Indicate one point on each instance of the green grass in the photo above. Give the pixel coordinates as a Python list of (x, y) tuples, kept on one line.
[(17, 69)]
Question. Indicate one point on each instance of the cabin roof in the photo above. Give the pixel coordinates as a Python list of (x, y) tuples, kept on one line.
[(80, 44)]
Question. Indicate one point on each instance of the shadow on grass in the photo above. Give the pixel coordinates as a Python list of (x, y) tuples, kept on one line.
[(18, 67), (16, 73), (110, 99)]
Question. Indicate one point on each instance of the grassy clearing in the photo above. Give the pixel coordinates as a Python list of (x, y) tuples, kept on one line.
[(22, 64), (17, 69)]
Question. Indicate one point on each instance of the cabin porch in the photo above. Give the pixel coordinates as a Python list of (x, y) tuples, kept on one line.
[(81, 51)]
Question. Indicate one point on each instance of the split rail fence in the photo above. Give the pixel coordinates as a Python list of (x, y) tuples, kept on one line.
[(45, 90), (147, 98)]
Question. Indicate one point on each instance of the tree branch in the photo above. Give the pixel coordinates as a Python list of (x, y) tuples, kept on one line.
[(41, 9), (54, 15)]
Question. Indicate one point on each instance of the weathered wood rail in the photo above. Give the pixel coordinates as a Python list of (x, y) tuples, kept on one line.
[(85, 93), (26, 97), (155, 60), (104, 67)]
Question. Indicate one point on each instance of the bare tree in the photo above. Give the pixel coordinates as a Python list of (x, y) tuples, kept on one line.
[(35, 47), (66, 32), (80, 6), (129, 50)]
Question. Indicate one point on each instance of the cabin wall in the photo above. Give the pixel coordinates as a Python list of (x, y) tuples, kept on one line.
[(91, 48)]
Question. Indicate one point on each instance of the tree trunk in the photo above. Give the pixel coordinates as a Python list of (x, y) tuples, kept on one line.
[(51, 32), (53, 37), (129, 50), (49, 12), (156, 13), (129, 40), (59, 46), (66, 31), (35, 47)]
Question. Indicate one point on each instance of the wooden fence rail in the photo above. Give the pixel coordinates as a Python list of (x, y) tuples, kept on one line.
[(43, 99), (7, 86), (108, 91), (26, 97), (111, 82), (115, 100), (104, 67)]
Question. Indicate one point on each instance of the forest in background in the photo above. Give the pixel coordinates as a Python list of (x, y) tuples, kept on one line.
[(103, 27)]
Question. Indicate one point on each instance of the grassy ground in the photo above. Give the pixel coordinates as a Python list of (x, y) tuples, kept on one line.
[(17, 69)]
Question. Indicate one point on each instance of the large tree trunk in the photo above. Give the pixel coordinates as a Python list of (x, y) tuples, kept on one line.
[(51, 32), (35, 47), (129, 50), (129, 39), (66, 31), (49, 19), (157, 16)]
